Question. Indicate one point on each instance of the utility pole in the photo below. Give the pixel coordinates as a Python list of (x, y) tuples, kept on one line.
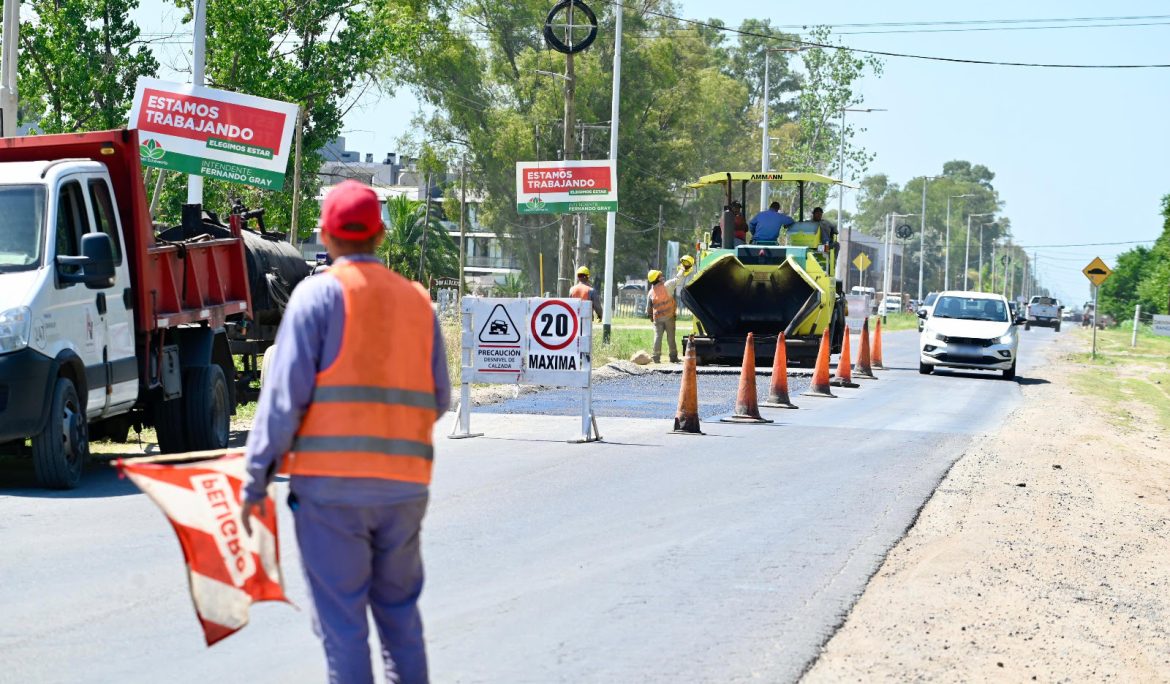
[(295, 218), (658, 259), (422, 245), (611, 217), (922, 237), (765, 146), (567, 142), (199, 66), (463, 228), (967, 254), (9, 97)]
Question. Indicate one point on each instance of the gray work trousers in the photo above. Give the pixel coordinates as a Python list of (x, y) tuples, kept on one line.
[(661, 327)]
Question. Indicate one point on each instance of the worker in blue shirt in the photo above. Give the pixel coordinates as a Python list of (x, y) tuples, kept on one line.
[(767, 224), (350, 405)]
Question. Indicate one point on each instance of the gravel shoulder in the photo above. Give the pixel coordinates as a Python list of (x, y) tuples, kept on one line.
[(1044, 555)]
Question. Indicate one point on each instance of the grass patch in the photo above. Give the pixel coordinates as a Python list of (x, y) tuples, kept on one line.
[(1124, 377), (899, 321)]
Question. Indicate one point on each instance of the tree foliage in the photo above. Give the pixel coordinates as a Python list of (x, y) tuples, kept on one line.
[(405, 227), (318, 54), (80, 61), (1141, 276), (690, 104)]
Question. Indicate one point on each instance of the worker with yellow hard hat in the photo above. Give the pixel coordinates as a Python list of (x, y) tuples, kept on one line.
[(686, 270), (661, 307), (585, 292)]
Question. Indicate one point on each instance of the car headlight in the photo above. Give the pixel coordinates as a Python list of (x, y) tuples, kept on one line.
[(932, 335), (15, 326), (1006, 339)]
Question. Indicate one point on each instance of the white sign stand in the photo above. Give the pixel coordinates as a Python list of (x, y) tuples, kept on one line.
[(538, 341)]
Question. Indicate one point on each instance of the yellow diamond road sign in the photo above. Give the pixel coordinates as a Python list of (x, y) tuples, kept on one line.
[(1097, 271), (862, 261)]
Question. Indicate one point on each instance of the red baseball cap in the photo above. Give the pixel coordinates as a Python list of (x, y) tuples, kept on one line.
[(351, 211)]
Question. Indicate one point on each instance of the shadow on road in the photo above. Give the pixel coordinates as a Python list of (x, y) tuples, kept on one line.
[(1031, 381), (100, 480)]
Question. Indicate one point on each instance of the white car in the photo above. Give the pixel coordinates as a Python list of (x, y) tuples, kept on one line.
[(972, 330)]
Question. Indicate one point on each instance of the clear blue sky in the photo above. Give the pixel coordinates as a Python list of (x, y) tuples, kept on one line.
[(1079, 155)]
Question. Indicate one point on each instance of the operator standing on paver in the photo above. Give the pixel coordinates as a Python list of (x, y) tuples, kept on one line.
[(358, 380), (586, 292), (661, 307)]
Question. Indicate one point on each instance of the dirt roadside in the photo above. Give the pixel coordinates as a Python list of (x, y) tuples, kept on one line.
[(1044, 555)]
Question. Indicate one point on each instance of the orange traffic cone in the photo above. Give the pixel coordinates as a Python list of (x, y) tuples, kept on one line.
[(746, 408), (844, 376), (778, 392), (686, 421), (864, 369), (820, 379), (877, 346)]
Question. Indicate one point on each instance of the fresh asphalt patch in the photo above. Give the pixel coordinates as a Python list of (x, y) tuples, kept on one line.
[(649, 395)]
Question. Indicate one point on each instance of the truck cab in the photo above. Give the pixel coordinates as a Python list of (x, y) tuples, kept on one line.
[(103, 325), (63, 312)]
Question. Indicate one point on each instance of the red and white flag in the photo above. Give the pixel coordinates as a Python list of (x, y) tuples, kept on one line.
[(227, 569)]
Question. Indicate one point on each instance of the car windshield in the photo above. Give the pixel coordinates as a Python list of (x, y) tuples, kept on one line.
[(970, 309), (22, 221), (930, 298)]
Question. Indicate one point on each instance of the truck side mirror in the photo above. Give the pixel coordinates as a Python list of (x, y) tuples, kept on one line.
[(96, 262)]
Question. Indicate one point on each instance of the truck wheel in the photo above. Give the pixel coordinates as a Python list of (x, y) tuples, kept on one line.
[(61, 449), (207, 407), (1056, 328), (1028, 326)]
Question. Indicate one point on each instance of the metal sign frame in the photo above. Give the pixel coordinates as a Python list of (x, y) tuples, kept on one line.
[(550, 345)]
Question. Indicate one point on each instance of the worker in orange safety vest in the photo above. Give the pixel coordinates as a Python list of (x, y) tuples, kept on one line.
[(358, 379), (661, 307), (586, 292)]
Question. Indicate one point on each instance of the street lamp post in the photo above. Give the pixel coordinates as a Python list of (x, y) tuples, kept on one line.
[(947, 243), (922, 236), (981, 226), (967, 254), (840, 188)]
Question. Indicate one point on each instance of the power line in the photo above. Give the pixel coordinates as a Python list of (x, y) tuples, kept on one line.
[(1088, 244), (886, 53), (977, 22)]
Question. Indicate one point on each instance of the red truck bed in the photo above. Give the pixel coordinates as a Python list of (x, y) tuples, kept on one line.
[(173, 283)]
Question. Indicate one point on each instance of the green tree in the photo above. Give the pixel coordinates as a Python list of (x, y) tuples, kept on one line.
[(80, 61), (321, 55), (405, 228), (1141, 276)]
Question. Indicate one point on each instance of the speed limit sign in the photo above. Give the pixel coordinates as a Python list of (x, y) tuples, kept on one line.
[(554, 324)]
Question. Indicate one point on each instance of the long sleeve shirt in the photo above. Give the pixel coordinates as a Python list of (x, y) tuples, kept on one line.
[(309, 341)]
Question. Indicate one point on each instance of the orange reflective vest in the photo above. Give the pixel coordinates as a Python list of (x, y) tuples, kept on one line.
[(374, 408), (581, 291), (661, 303)]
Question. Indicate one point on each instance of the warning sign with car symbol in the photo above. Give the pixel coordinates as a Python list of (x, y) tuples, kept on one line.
[(497, 353)]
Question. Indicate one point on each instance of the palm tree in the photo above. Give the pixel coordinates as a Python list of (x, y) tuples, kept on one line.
[(404, 232)]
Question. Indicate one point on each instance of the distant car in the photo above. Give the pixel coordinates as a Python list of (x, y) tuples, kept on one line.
[(924, 307), (970, 330), (1043, 311)]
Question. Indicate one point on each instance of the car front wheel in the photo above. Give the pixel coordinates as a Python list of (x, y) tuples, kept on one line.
[(1010, 373), (925, 368)]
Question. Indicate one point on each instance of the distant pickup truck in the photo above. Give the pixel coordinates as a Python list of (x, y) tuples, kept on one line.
[(1043, 311)]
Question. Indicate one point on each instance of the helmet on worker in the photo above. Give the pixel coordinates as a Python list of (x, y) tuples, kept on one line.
[(653, 276), (687, 261), (583, 272)]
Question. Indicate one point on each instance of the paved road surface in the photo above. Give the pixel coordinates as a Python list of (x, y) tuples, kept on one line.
[(649, 557)]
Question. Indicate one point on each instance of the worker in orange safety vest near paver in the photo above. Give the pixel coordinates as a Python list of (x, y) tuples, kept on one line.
[(586, 292), (660, 305), (358, 379)]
